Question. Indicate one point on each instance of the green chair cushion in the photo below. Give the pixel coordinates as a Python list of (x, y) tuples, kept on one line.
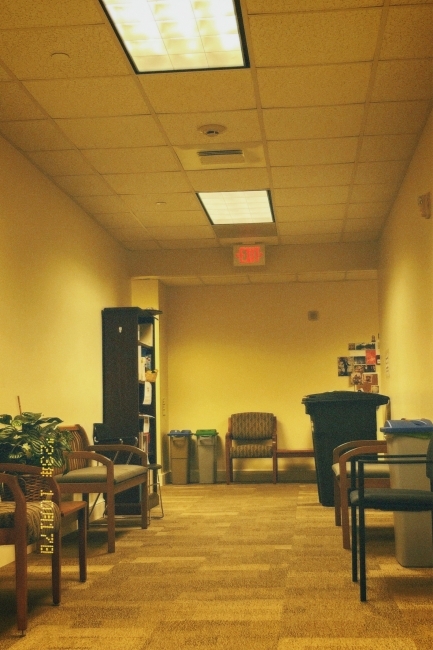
[(99, 474)]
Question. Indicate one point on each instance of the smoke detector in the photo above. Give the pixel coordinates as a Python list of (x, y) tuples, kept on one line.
[(212, 130)]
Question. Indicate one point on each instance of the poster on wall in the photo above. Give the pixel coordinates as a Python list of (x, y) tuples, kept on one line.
[(345, 366), (361, 366)]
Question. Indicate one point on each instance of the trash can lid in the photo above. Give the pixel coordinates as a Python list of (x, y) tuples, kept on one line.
[(422, 428), (176, 433), (206, 432), (346, 396)]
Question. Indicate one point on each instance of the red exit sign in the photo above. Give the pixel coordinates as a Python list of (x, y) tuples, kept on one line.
[(249, 255)]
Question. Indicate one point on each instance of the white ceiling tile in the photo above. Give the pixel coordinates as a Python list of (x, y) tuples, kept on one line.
[(35, 135), (83, 185), (101, 204), (315, 122), (116, 220), (297, 38), (283, 6), (396, 117), (172, 219), (140, 245), (312, 175), (310, 227), (132, 160), (368, 210), (181, 232), (406, 79), (310, 212), (319, 85), (361, 225), (312, 152), (176, 244), (4, 74), (387, 147), (408, 33), (61, 163), (108, 132), (228, 180), (162, 202), (94, 97), (46, 13), (15, 103), (148, 183), (373, 193), (183, 129), (130, 233), (62, 52), (205, 91), (311, 195), (380, 172), (311, 239), (366, 235)]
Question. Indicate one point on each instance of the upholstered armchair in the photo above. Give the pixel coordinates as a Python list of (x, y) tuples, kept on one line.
[(251, 435)]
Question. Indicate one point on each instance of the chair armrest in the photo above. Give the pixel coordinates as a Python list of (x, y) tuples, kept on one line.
[(352, 444), (121, 448), (19, 468)]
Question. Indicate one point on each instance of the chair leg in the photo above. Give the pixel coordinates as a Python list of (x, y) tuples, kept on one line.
[(21, 585), (275, 468), (344, 515), (82, 543), (144, 504), (337, 503), (111, 524), (56, 567), (362, 567), (354, 546)]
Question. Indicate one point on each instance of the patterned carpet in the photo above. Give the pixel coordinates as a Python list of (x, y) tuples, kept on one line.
[(239, 567)]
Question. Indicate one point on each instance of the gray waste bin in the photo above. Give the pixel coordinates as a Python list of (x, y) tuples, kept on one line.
[(413, 530), (179, 455), (207, 461), (336, 417)]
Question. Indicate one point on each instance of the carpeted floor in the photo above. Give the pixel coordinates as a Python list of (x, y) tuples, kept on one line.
[(239, 567)]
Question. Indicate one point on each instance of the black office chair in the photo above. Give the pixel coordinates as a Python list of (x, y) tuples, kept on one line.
[(389, 499)]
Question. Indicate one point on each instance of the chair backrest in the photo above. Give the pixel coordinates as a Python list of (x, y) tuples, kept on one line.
[(79, 442), (429, 466), (252, 426)]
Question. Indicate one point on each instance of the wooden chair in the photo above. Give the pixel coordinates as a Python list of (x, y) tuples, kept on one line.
[(81, 475), (375, 476), (21, 525), (387, 499), (254, 435)]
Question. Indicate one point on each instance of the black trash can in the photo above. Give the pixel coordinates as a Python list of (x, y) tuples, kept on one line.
[(336, 417)]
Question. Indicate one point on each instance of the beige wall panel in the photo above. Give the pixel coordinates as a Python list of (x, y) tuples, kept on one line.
[(183, 129), (312, 175), (314, 85), (297, 39), (300, 123), (95, 97), (249, 345), (193, 92), (312, 152), (107, 132), (78, 43)]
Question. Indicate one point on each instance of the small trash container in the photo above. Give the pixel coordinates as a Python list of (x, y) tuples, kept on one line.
[(179, 456), (336, 417), (413, 530), (207, 461)]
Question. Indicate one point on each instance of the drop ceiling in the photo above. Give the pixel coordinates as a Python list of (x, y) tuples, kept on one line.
[(335, 100)]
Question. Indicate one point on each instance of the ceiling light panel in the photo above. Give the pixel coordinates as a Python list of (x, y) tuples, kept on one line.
[(167, 35), (249, 207)]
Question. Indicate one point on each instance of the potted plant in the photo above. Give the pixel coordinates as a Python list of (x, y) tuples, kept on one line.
[(30, 439)]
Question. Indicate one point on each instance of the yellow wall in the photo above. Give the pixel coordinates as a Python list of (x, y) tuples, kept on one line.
[(58, 269), (241, 348), (406, 291)]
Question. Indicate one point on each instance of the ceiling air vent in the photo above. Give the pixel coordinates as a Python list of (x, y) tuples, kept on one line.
[(212, 156)]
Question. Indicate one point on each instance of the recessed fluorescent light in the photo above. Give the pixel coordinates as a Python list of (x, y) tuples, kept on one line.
[(237, 207), (167, 35)]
